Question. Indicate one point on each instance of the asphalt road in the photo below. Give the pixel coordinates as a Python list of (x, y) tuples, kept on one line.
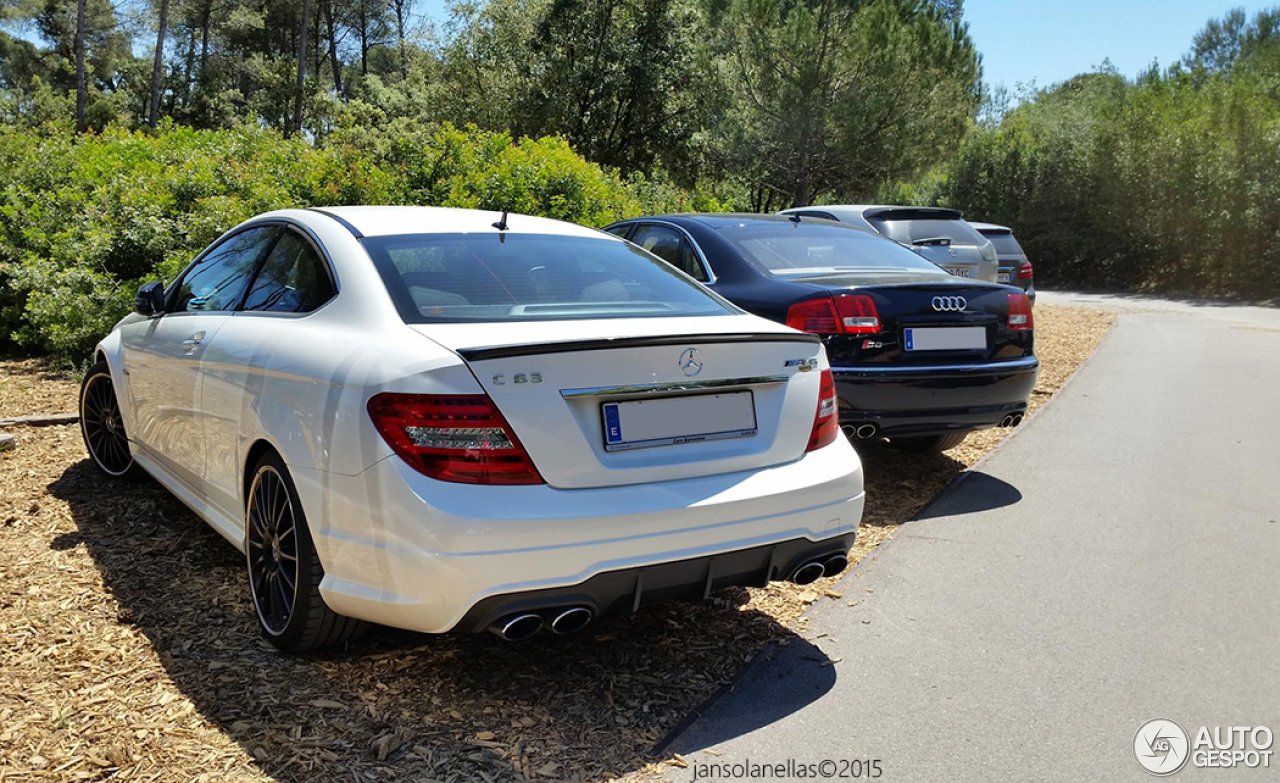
[(1117, 560)]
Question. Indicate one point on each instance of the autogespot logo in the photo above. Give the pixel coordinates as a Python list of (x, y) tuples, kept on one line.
[(1161, 746)]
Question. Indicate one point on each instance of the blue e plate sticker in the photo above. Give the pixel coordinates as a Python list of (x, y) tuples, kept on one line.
[(910, 342), (612, 427)]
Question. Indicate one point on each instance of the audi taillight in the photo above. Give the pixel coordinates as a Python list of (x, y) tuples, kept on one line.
[(1026, 271), (844, 314), (1020, 319), (457, 437), (826, 425)]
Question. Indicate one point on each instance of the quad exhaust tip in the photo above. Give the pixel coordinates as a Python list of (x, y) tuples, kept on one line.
[(571, 620), (1012, 420), (859, 431), (517, 627), (808, 573), (834, 565)]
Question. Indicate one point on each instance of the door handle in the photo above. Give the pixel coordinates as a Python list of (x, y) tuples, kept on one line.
[(193, 342)]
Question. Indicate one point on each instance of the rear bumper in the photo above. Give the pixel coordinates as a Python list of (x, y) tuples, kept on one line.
[(404, 550), (932, 399)]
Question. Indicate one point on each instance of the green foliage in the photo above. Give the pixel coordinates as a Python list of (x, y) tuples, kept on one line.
[(84, 220), (1169, 183)]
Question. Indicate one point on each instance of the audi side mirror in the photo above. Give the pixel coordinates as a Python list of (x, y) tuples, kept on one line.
[(150, 299)]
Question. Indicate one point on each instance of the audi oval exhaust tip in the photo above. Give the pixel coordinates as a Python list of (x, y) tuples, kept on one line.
[(517, 627), (1012, 420), (1017, 419), (571, 620), (808, 573), (834, 565)]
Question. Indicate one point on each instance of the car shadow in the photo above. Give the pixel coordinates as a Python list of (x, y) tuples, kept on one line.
[(971, 493), (466, 706)]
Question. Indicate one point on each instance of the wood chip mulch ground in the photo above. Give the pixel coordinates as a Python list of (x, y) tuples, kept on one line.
[(128, 647)]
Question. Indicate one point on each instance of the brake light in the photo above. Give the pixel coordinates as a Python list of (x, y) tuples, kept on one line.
[(459, 437), (1026, 272), (1020, 319), (826, 424), (844, 314)]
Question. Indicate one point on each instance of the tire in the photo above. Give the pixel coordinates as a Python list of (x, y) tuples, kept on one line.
[(279, 550), (102, 427), (931, 444)]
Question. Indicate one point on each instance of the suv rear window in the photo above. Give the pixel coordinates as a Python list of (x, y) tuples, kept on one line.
[(911, 231), (1005, 244), (522, 277)]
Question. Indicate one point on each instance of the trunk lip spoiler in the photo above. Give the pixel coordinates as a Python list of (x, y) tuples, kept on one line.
[(637, 389), (483, 353)]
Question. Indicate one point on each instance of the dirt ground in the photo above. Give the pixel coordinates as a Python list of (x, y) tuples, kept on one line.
[(129, 651)]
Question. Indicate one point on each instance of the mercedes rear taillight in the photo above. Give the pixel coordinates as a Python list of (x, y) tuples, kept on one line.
[(1026, 272), (826, 425), (844, 314), (456, 437), (1020, 319)]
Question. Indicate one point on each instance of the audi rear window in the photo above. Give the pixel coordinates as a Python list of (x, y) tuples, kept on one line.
[(436, 278), (798, 250)]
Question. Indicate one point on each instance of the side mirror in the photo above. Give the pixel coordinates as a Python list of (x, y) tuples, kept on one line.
[(150, 299)]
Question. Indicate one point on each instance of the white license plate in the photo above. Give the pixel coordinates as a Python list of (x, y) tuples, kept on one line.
[(1002, 277), (667, 421), (945, 338), (960, 271)]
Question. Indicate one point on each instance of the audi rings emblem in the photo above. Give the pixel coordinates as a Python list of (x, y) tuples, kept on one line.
[(949, 304)]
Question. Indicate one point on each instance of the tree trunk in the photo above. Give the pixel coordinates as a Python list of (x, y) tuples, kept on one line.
[(302, 66), (364, 37), (404, 63), (81, 87), (334, 63), (157, 67), (205, 19)]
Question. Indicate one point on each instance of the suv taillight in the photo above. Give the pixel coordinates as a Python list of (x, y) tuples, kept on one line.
[(1020, 319), (844, 314), (1026, 272), (826, 425), (458, 437)]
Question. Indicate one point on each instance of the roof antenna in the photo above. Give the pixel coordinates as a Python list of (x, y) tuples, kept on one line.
[(501, 225)]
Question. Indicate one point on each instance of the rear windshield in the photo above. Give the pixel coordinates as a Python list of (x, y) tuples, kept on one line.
[(1005, 244), (523, 277), (911, 231), (797, 250)]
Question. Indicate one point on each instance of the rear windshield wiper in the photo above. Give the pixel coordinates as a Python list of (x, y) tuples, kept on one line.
[(931, 241)]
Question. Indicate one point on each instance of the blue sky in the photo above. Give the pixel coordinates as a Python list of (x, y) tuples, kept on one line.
[(1052, 41)]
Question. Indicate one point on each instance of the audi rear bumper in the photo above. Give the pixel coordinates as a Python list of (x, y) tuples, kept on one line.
[(933, 399)]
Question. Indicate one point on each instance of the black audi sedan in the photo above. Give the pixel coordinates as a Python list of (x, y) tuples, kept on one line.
[(919, 356)]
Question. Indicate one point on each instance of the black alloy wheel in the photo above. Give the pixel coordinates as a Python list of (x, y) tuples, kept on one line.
[(284, 570), (102, 426)]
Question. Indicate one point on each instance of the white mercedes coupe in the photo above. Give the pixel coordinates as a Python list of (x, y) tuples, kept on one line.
[(454, 420)]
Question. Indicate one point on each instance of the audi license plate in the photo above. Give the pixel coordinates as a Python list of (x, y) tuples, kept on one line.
[(667, 421), (960, 271), (948, 338)]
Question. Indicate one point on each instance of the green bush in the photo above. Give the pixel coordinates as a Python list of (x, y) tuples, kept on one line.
[(84, 220)]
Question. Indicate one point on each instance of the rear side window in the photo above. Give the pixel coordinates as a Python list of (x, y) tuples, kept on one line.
[(216, 282), (671, 246), (912, 231), (521, 277), (293, 279)]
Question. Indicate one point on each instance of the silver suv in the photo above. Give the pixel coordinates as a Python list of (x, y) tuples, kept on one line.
[(1015, 268), (940, 235)]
